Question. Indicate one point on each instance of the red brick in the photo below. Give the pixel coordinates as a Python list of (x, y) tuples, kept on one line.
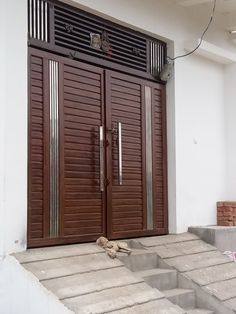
[(227, 223)]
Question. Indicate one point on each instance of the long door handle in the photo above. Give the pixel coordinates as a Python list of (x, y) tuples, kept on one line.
[(120, 174), (101, 157)]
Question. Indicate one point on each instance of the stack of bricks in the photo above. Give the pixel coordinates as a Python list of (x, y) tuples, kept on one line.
[(226, 213)]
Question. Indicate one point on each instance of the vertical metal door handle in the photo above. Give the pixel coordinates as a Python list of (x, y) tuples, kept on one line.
[(119, 154), (101, 157)]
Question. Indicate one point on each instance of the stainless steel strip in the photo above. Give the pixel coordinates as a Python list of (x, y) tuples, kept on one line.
[(38, 20), (151, 57), (101, 157), (34, 19), (149, 161), (30, 17), (42, 20), (46, 20), (54, 149), (120, 170), (156, 59)]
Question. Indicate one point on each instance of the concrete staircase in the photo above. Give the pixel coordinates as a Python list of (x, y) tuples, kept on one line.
[(148, 266)]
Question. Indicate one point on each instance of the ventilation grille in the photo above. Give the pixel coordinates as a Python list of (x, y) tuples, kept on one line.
[(73, 30), (68, 30), (157, 58), (38, 24)]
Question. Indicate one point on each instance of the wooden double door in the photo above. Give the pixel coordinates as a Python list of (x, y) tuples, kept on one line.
[(97, 153)]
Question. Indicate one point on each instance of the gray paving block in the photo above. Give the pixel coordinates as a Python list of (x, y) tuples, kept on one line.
[(185, 298), (162, 306), (197, 261), (224, 238), (183, 248), (46, 253), (199, 311), (71, 265), (75, 285), (231, 304), (140, 260), (223, 290), (159, 278), (112, 299), (212, 274), (171, 238)]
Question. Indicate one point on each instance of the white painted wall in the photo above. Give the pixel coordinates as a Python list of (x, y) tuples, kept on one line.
[(230, 124), (13, 138), (200, 141), (195, 106), (22, 293)]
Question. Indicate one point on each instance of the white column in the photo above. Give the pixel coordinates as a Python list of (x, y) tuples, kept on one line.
[(230, 128), (13, 125)]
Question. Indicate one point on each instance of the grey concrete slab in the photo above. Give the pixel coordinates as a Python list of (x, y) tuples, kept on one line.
[(183, 248), (162, 279), (46, 253), (223, 290), (75, 285), (71, 265), (140, 260), (224, 238), (112, 299), (162, 306), (171, 238), (197, 261), (231, 304), (213, 274), (185, 298), (199, 311)]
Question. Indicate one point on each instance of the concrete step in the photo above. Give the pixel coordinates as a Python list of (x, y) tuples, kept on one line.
[(140, 260), (79, 284), (199, 311), (113, 299), (154, 307), (162, 279), (185, 298)]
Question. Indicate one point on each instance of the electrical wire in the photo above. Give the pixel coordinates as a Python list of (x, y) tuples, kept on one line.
[(201, 39)]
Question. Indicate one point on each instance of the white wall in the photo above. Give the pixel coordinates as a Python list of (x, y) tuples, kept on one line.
[(13, 139), (230, 123), (22, 293), (200, 141)]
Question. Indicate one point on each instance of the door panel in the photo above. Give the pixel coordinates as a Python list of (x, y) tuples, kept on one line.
[(138, 206), (126, 207), (37, 198), (83, 203)]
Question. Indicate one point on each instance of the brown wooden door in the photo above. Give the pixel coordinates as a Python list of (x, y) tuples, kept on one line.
[(83, 202), (94, 169), (129, 211)]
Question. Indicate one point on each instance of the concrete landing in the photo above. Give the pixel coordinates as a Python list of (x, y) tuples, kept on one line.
[(87, 281), (201, 267), (224, 238)]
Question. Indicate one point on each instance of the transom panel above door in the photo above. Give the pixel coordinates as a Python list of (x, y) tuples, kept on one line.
[(97, 156)]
